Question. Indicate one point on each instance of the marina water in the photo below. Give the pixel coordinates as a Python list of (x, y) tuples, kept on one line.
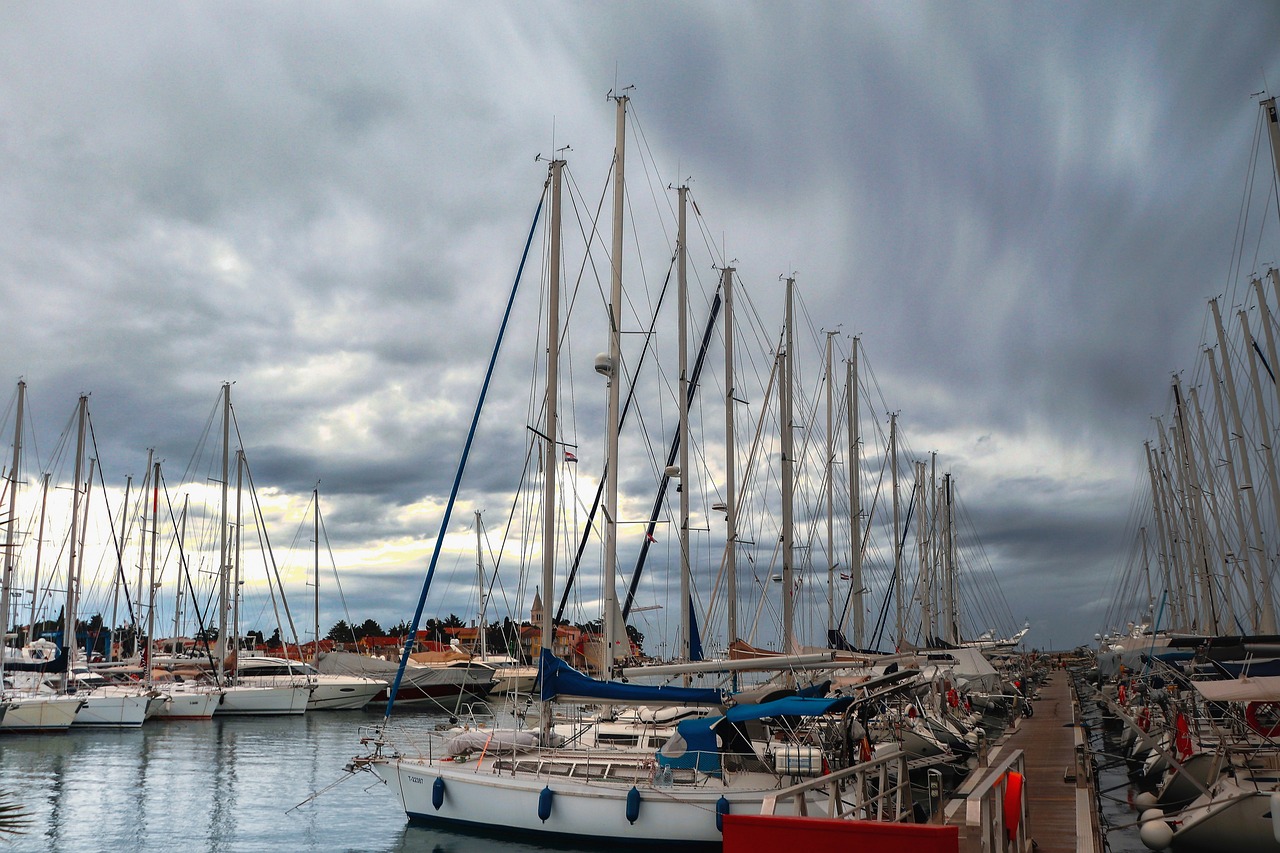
[(229, 784)]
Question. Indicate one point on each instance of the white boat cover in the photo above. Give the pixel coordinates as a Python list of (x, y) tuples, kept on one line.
[(1262, 688)]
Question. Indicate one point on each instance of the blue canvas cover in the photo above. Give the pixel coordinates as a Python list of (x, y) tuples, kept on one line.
[(558, 680)]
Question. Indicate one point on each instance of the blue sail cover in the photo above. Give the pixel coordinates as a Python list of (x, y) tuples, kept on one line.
[(558, 680)]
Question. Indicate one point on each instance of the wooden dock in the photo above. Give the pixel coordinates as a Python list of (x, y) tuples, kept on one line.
[(1060, 813)]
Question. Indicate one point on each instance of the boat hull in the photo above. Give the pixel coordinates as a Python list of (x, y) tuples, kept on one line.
[(263, 701), (580, 810), (40, 713), (113, 710)]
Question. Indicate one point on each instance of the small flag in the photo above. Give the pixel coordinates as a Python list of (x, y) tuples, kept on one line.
[(844, 577), (569, 457), (649, 536)]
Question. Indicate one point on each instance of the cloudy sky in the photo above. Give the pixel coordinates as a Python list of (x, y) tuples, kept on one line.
[(1020, 208)]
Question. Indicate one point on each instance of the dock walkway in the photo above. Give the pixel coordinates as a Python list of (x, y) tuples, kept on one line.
[(1058, 786)]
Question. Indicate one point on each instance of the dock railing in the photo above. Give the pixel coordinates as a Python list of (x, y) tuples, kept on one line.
[(985, 807), (879, 789)]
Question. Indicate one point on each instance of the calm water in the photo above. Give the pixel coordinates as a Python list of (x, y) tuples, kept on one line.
[(226, 784)]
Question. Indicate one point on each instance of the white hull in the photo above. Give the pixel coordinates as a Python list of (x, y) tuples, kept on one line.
[(40, 713), (1236, 819), (263, 701), (343, 692), (596, 810), (328, 692), (115, 709), (183, 703)]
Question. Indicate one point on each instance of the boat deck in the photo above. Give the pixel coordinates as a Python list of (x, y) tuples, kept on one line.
[(1061, 814)]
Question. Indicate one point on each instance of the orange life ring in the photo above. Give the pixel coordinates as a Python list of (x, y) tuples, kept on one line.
[(1271, 709), (1012, 803)]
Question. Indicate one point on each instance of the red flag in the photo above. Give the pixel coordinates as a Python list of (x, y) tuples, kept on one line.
[(569, 457), (649, 536)]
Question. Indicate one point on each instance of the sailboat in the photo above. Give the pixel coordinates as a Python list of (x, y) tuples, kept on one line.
[(710, 766), (26, 709)]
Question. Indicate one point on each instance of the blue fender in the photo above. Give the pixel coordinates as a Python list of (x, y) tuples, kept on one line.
[(437, 792), (722, 809), (633, 804), (544, 803)]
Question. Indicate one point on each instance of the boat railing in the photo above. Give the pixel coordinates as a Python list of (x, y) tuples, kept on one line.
[(985, 805), (879, 789), (607, 764)]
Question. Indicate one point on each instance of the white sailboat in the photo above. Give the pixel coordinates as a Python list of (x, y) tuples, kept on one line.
[(605, 794), (25, 709)]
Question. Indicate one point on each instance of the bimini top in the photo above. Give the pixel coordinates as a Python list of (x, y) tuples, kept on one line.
[(694, 743), (558, 680)]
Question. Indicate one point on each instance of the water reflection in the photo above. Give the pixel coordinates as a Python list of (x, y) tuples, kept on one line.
[(227, 785)]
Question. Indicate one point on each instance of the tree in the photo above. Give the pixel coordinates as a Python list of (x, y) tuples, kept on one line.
[(370, 628), (341, 632)]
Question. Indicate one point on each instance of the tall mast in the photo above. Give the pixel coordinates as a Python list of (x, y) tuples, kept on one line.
[(788, 473), (480, 631), (855, 498), (35, 578), (69, 615), (239, 543), (1262, 573), (1157, 499), (730, 470), (135, 613), (610, 504), (1266, 441), (1195, 508), (315, 534), (550, 447), (182, 569), (1227, 612), (6, 583), (1244, 553), (831, 495), (952, 626), (224, 567), (119, 579), (682, 303), (1179, 546), (925, 583), (151, 582), (897, 531)]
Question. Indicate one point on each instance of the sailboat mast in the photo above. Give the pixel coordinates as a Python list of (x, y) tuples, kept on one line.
[(1266, 621), (788, 474), (831, 496), (551, 448), (119, 580), (73, 543), (239, 542), (151, 583), (730, 469), (142, 557), (315, 600), (610, 504), (182, 569), (484, 651), (682, 309), (897, 531), (6, 583), (855, 497), (35, 577), (224, 569)]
